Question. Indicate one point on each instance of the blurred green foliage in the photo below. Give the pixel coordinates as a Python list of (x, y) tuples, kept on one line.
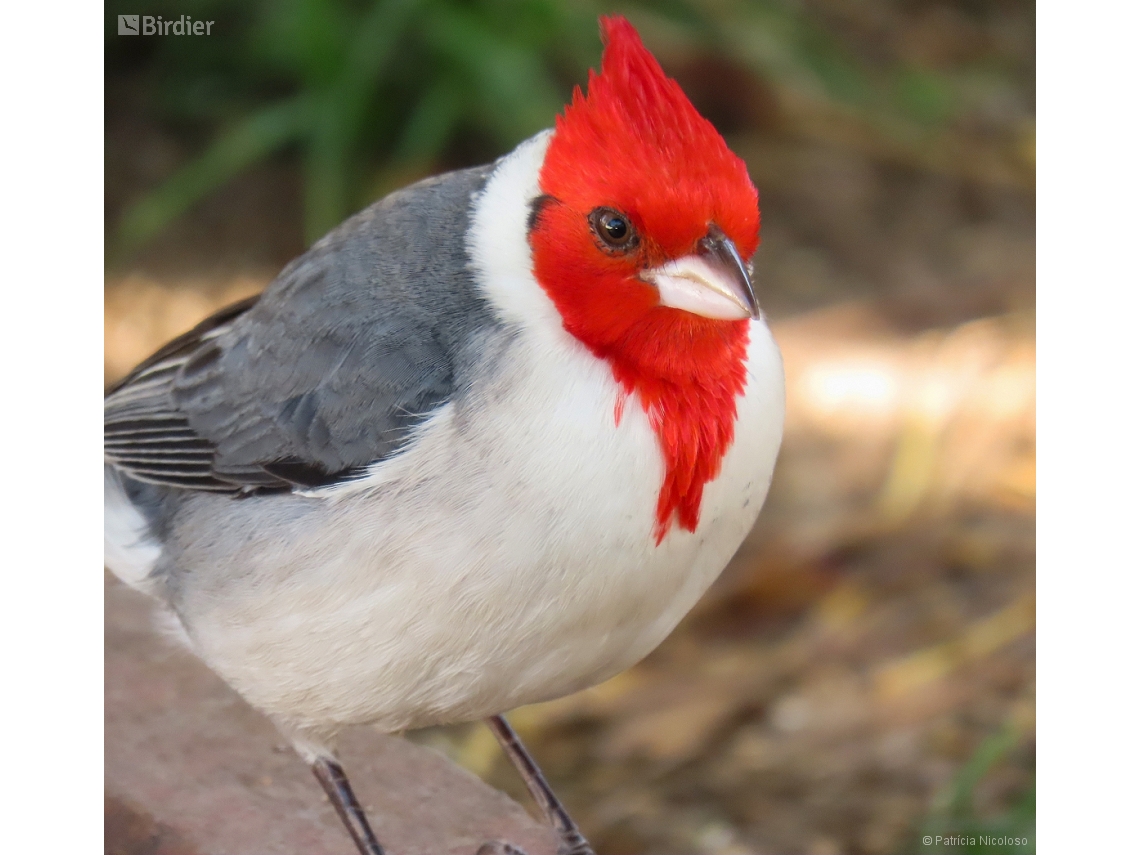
[(954, 816), (343, 82), (370, 93)]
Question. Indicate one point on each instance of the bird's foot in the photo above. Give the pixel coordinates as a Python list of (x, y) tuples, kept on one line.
[(576, 847), (498, 847), (566, 846), (573, 844)]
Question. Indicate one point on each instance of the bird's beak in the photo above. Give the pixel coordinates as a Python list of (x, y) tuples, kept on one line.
[(712, 283)]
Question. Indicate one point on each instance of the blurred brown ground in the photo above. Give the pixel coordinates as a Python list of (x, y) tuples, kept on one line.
[(878, 625)]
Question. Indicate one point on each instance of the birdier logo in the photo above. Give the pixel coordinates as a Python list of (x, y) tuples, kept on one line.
[(156, 25)]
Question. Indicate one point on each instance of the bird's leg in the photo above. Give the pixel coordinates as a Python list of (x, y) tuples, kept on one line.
[(336, 786), (335, 783), (570, 839)]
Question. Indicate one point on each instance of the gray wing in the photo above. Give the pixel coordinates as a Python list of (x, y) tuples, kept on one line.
[(354, 344)]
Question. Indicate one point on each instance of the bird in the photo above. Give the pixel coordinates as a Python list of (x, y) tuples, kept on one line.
[(483, 445)]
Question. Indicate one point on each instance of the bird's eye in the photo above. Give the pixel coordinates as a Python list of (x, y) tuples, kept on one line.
[(613, 229)]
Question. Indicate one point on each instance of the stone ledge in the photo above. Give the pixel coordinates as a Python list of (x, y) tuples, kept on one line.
[(191, 769)]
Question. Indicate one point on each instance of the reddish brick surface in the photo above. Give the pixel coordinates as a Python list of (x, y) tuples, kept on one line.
[(192, 770)]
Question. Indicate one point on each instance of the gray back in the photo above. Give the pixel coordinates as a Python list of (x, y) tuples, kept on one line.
[(350, 347)]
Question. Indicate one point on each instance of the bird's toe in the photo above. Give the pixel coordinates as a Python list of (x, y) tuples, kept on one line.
[(498, 847)]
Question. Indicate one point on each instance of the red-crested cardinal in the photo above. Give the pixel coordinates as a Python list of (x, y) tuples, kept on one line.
[(483, 445)]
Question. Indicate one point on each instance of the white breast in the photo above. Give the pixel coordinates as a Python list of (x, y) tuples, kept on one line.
[(506, 557)]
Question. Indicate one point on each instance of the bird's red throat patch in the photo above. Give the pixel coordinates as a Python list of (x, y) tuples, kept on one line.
[(637, 145)]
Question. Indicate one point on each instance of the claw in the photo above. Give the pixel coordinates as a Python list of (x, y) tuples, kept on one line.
[(498, 847), (574, 844)]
